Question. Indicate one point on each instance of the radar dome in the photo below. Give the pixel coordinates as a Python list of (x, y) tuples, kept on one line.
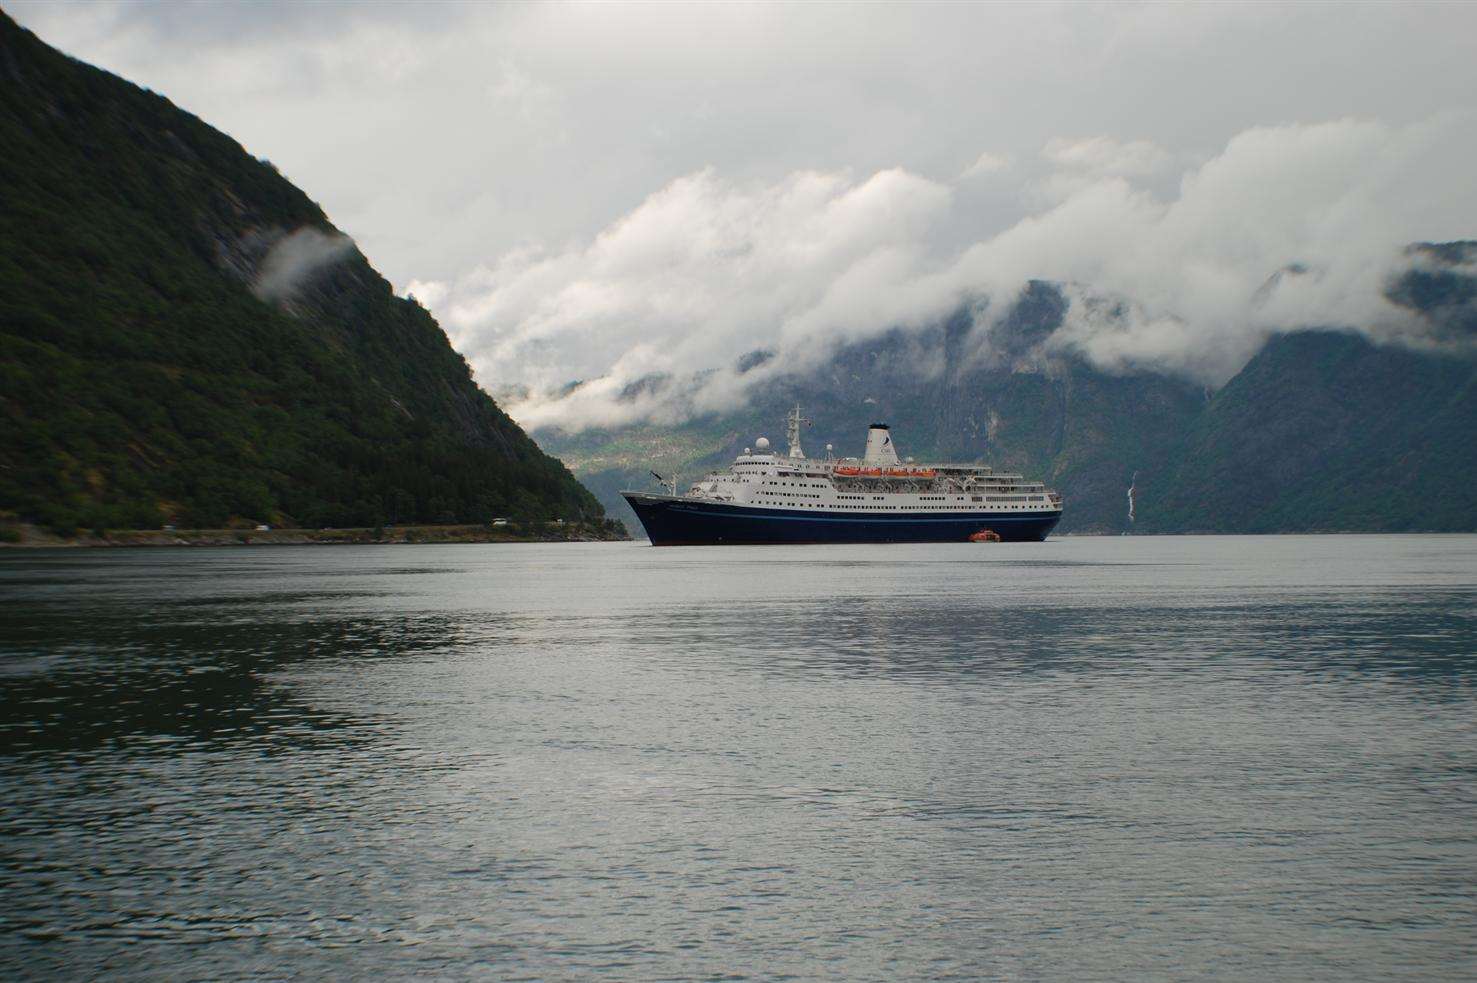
[(762, 443)]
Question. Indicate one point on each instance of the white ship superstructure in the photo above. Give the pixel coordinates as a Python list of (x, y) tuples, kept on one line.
[(878, 481), (829, 496)]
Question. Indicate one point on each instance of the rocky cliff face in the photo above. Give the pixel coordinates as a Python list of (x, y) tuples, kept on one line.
[(187, 337)]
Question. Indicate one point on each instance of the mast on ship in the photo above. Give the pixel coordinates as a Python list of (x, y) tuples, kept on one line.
[(794, 421)]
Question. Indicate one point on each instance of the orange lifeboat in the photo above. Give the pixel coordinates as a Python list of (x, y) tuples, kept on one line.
[(853, 471), (984, 536)]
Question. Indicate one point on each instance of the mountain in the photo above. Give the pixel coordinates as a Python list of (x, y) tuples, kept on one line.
[(1321, 430), (1324, 430), (184, 336), (949, 394)]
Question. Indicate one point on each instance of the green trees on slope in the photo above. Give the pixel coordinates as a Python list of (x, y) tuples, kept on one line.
[(141, 380)]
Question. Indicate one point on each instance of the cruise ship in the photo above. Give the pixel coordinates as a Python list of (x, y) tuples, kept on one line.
[(766, 497)]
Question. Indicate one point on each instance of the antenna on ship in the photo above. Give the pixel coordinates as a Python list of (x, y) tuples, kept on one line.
[(795, 420)]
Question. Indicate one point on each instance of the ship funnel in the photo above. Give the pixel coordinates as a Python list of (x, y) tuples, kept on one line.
[(880, 451)]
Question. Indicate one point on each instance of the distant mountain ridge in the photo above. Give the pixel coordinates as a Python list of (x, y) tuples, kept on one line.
[(1322, 430), (1326, 431), (185, 337)]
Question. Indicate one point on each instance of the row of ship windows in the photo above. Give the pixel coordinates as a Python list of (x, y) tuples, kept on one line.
[(922, 498), (873, 508), (894, 508), (795, 484), (936, 498)]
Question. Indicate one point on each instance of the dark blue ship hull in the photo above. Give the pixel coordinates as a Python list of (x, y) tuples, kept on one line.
[(685, 522)]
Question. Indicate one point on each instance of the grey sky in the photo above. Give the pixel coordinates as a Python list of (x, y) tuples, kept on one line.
[(499, 155)]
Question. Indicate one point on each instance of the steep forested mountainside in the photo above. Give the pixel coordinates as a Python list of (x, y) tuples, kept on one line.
[(185, 337), (1323, 430), (1326, 431)]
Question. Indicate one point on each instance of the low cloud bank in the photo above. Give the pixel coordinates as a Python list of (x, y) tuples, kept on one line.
[(1287, 227), (294, 258)]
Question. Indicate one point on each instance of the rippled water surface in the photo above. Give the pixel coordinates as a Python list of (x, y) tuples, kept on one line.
[(1122, 758)]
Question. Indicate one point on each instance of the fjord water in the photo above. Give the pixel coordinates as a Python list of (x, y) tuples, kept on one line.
[(1088, 759)]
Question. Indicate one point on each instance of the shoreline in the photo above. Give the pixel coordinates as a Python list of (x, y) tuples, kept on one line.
[(32, 537)]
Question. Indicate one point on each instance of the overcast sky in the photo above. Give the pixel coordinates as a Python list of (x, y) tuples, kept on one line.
[(605, 191)]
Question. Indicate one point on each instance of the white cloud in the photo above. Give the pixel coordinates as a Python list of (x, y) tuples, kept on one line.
[(702, 272), (1077, 164), (986, 164), (1342, 198), (428, 292), (443, 135), (708, 269), (607, 191), (1105, 156), (294, 258)]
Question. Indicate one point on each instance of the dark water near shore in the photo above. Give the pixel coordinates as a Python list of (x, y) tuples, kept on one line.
[(1086, 759)]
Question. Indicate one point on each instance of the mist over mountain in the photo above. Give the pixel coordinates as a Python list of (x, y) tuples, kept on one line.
[(189, 337), (185, 337), (1286, 226), (1323, 429)]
